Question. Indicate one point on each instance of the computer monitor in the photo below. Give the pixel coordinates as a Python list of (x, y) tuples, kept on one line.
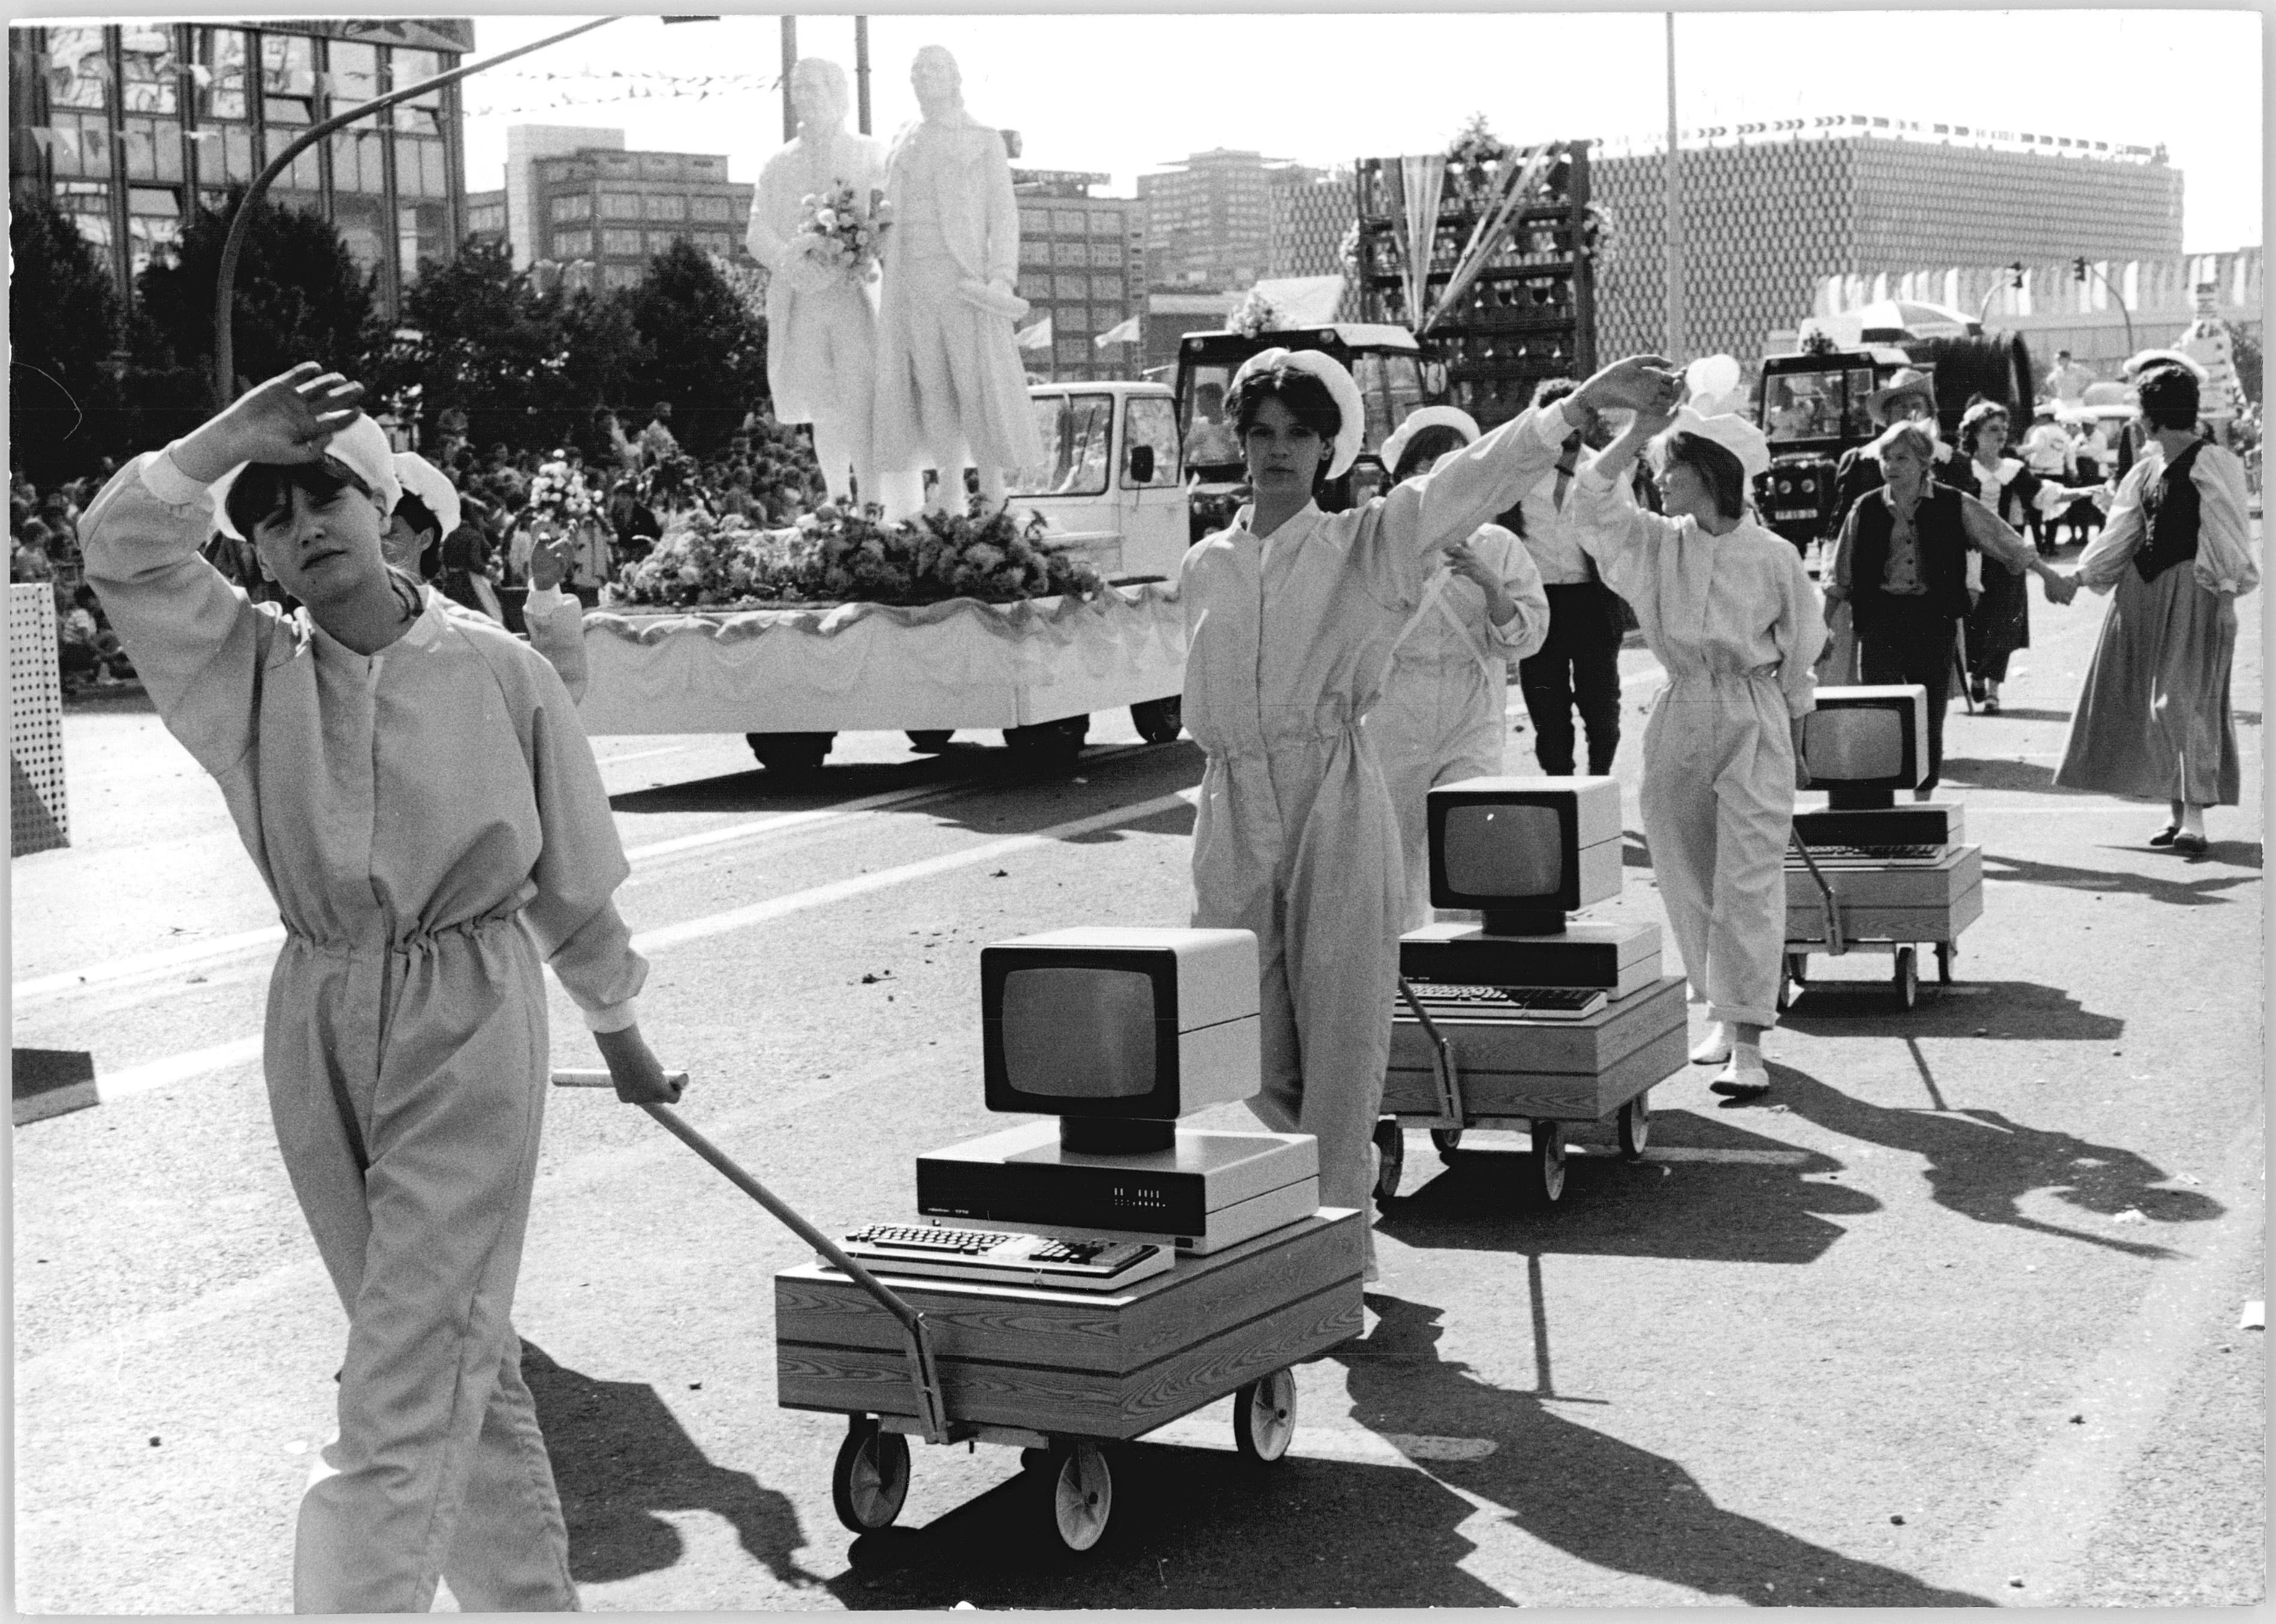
[(1524, 851), (1862, 745), (1118, 1031)]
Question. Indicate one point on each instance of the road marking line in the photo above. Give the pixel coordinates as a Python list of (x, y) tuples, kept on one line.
[(175, 1068), (1206, 1430)]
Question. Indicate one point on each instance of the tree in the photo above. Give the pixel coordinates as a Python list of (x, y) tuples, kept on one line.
[(487, 343), (707, 354), (64, 320), (299, 295)]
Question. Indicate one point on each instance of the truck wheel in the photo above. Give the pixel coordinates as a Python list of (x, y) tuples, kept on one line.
[(930, 741), (790, 754), (1158, 721), (1049, 744)]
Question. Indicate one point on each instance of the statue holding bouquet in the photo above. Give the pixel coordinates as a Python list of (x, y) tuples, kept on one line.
[(816, 221), (951, 389)]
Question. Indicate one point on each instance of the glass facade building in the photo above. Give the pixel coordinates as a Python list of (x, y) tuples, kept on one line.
[(1083, 263), (130, 127)]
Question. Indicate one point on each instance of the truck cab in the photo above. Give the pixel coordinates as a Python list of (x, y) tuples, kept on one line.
[(1110, 484), (1812, 409)]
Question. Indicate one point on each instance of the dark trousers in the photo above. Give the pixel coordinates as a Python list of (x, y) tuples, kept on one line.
[(1909, 640), (1579, 666)]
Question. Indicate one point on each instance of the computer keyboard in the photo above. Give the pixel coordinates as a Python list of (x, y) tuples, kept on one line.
[(1006, 1257), (1905, 856), (1474, 1003)]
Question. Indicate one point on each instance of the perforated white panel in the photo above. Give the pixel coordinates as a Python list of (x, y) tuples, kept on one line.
[(36, 818)]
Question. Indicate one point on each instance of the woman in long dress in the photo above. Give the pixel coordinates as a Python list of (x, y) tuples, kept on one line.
[(2176, 550), (2000, 622), (1730, 613), (1289, 617)]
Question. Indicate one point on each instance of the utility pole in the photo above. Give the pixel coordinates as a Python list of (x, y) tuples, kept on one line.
[(789, 61), (1677, 348), (862, 72)]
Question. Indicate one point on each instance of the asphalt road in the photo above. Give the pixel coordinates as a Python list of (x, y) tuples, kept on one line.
[(1951, 1319)]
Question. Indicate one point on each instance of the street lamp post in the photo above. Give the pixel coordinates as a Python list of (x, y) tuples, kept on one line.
[(234, 246), (2079, 267), (2014, 270)]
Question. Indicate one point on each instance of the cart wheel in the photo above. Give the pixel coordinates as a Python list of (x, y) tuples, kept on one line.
[(1544, 1164), (1448, 1139), (790, 754), (1049, 744), (1081, 1493), (1636, 1125), (1946, 952), (1797, 964), (1264, 1416), (930, 741), (1159, 721), (1907, 978), (1391, 1142), (871, 1478)]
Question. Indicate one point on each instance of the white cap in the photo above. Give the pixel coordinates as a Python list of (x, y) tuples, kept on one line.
[(1349, 407), (423, 479), (361, 448), (1427, 417), (1734, 434)]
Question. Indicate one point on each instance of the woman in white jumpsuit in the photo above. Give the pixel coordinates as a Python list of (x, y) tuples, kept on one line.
[(1442, 716), (1731, 615), (415, 790), (1289, 617)]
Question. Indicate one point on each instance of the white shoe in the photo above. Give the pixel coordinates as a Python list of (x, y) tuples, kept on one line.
[(1744, 1075), (1715, 1047)]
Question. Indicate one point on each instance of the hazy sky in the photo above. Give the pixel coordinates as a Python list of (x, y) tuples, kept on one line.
[(1125, 91)]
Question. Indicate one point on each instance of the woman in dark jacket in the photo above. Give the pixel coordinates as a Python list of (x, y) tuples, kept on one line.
[(2000, 623), (1901, 565)]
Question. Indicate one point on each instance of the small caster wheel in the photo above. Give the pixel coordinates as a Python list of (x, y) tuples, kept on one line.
[(1391, 1146), (1447, 1141), (1081, 1493), (1946, 952), (930, 741), (1907, 979), (1784, 989), (1264, 1416), (1543, 1182), (1636, 1125), (871, 1477), (1797, 964)]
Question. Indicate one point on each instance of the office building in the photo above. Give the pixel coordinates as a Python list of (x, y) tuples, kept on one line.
[(1209, 219), (597, 215), (131, 126), (1082, 264)]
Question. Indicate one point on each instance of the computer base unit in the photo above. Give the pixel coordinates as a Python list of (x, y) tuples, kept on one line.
[(1888, 904), (1587, 952), (1917, 822), (1208, 1192), (1571, 1071)]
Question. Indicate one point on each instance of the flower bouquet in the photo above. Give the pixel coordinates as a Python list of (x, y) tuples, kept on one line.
[(559, 504), (1252, 315), (841, 232)]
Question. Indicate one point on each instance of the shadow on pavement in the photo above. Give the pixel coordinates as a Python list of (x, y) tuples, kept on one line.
[(1837, 1002), (620, 1456), (1980, 774), (758, 790), (2018, 713), (1981, 1164), (2244, 854), (1190, 1527), (1593, 1496), (1739, 1197)]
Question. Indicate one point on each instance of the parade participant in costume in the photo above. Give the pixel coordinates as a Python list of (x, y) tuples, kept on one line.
[(1901, 566), (1908, 397), (951, 389), (1731, 615), (1442, 716), (2153, 719), (2000, 622), (822, 330), (1578, 666), (418, 795), (1289, 617)]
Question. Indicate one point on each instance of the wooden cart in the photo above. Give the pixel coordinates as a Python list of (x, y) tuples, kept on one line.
[(1891, 909), (1060, 1375), (1531, 1076)]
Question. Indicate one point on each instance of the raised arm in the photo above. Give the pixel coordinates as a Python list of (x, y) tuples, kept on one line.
[(1996, 539), (1623, 539), (2110, 552)]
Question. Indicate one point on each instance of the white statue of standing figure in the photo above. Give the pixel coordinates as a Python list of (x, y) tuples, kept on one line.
[(951, 389), (821, 325)]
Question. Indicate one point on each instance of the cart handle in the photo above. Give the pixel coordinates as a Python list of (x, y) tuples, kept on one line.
[(1831, 904), (1441, 1058), (932, 1413)]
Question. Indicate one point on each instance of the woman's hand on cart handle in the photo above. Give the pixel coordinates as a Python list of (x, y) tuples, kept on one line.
[(633, 1067), (289, 418)]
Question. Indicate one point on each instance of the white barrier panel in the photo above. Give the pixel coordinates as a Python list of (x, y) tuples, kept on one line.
[(36, 818)]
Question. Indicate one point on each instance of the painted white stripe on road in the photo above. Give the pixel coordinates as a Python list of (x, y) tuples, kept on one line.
[(1209, 1429), (176, 1068)]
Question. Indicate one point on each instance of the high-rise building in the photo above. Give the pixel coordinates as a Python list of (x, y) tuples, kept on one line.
[(599, 214), (131, 126), (1082, 264), (1209, 218), (524, 145)]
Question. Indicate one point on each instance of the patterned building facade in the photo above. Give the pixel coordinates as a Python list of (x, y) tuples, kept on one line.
[(130, 127), (1210, 217), (602, 215), (1083, 263), (1311, 221)]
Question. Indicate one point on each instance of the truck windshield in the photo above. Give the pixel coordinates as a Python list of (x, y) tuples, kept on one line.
[(1817, 406), (1391, 386), (1211, 439), (1078, 435)]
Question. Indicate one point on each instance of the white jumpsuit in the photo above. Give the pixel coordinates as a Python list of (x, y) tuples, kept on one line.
[(433, 828), (1295, 840), (1442, 714), (1736, 623)]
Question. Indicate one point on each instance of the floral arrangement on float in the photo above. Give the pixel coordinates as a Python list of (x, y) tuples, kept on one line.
[(1812, 340), (1254, 314), (559, 502), (831, 557), (843, 233)]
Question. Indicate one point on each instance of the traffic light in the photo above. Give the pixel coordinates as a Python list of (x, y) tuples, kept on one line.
[(2014, 273), (2078, 268)]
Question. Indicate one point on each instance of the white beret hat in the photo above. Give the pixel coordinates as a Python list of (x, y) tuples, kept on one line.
[(423, 479), (1428, 417), (1734, 434), (1349, 407), (361, 448), (2141, 361)]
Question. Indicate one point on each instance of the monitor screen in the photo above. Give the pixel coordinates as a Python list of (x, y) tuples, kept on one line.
[(1076, 1032), (1850, 744), (1512, 852)]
